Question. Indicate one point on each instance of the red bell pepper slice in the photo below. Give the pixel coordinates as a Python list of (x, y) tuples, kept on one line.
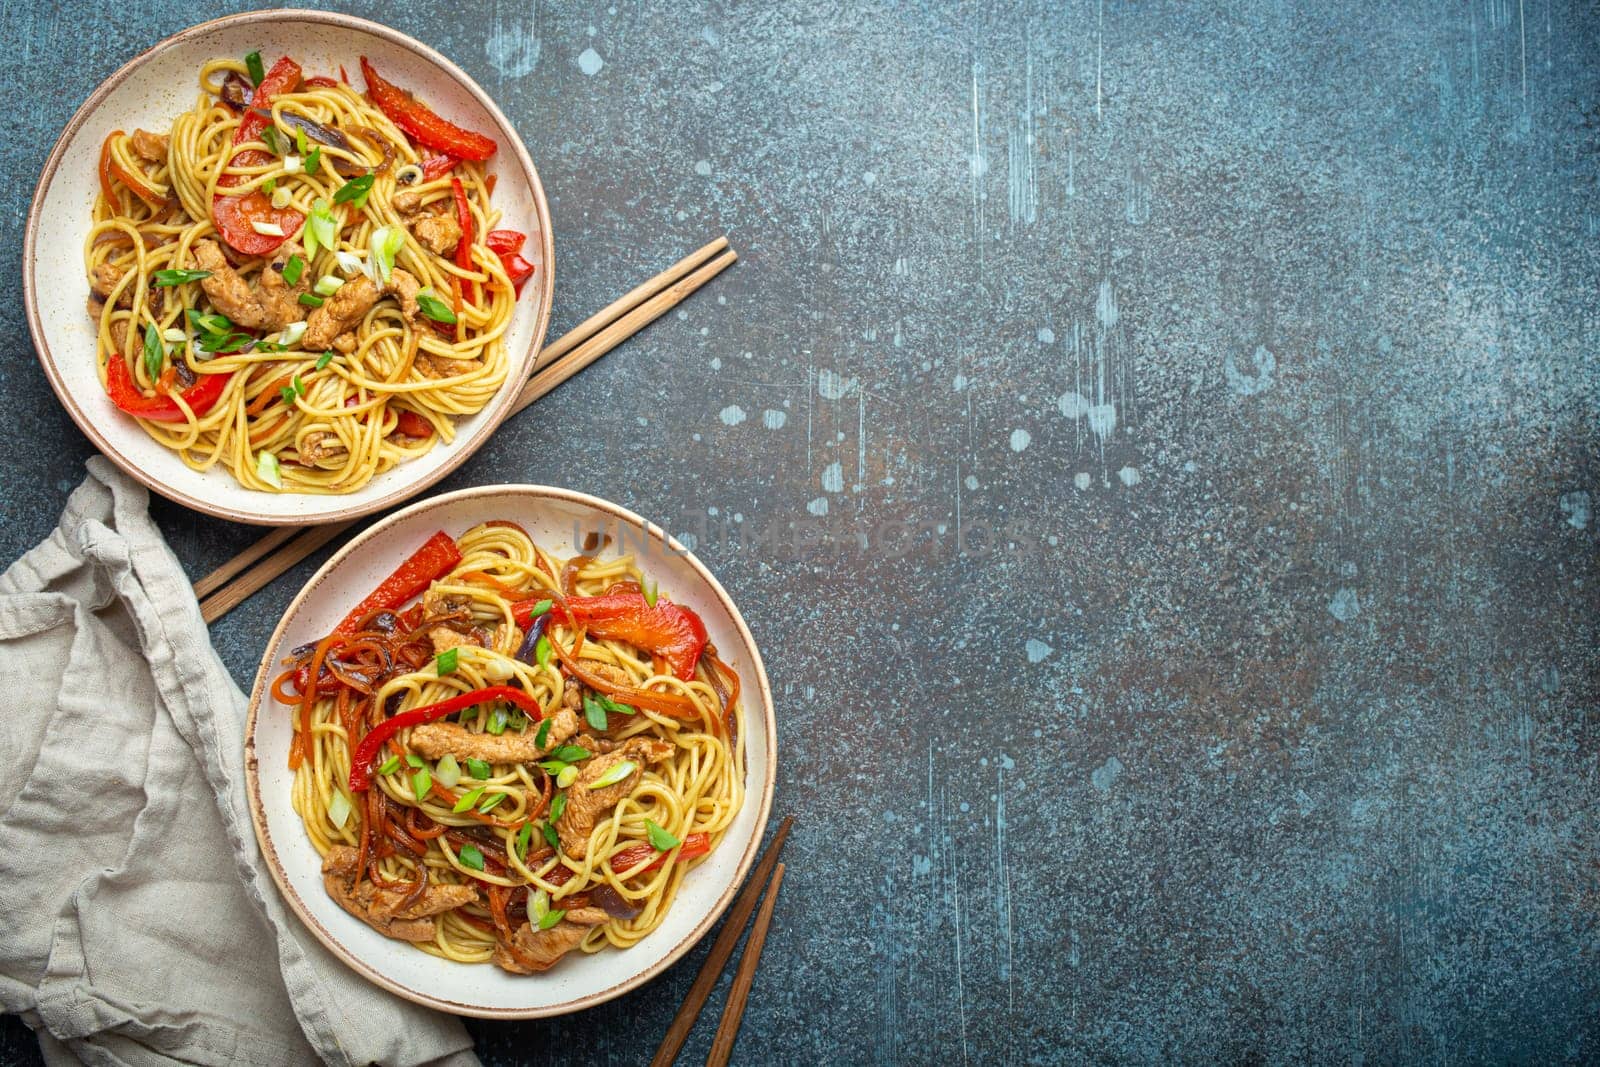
[(437, 556), (234, 214), (125, 394), (419, 121), (372, 744), (464, 246), (625, 862), (506, 244), (668, 630), (438, 166), (110, 168), (321, 81)]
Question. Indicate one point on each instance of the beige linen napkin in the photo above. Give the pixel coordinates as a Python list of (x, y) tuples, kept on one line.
[(137, 925)]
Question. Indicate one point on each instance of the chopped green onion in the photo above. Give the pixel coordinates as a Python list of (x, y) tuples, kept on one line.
[(524, 835), (468, 800), (492, 802), (615, 707), (155, 353), (386, 244), (559, 804), (281, 195), (551, 919), (267, 470), (497, 721), (447, 771), (354, 191), (541, 652), (269, 137), (540, 608), (300, 140), (594, 713), (390, 765), (659, 838), (568, 775), (471, 857), (324, 359), (550, 837), (258, 72), (327, 285), (543, 734), (445, 662), (552, 766), (314, 160), (617, 772), (414, 759), (650, 592), (290, 335), (209, 322), (479, 769), (321, 228), (180, 277), (293, 269), (421, 782), (173, 335), (338, 809), (311, 300), (539, 904), (288, 394), (435, 309), (571, 753), (350, 263), (267, 229), (517, 721), (269, 186)]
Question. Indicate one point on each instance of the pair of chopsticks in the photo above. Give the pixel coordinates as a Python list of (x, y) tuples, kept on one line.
[(232, 583), (717, 959)]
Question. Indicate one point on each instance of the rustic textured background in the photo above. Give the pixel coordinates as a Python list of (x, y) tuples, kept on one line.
[(1157, 449)]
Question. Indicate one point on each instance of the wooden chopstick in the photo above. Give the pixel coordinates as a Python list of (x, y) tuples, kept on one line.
[(232, 583), (744, 978), (721, 949)]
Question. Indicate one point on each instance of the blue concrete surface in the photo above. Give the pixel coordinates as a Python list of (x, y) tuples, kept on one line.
[(1157, 447)]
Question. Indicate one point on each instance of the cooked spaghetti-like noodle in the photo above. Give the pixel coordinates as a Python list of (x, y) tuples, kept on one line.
[(430, 823), (287, 415)]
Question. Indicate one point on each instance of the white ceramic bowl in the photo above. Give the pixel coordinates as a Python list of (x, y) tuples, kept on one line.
[(559, 520), (150, 91)]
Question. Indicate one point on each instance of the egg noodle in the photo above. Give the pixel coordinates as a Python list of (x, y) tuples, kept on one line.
[(288, 417), (428, 823)]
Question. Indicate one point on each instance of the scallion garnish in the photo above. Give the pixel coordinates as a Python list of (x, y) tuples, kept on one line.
[(155, 353), (385, 244), (541, 652), (354, 192), (324, 359), (550, 837), (269, 137), (327, 285), (435, 309), (650, 592), (539, 904), (447, 771), (614, 706), (445, 662), (615, 773), (568, 775), (300, 140), (659, 838), (552, 766), (269, 186), (321, 228), (558, 805), (253, 64), (571, 753), (267, 470), (311, 300), (524, 835), (414, 759), (180, 277), (467, 800), (491, 802), (314, 160), (497, 722), (293, 269), (549, 919), (543, 734), (594, 713), (470, 857), (479, 769), (338, 810), (421, 783), (390, 765)]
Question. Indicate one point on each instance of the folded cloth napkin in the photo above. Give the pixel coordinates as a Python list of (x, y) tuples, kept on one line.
[(137, 924)]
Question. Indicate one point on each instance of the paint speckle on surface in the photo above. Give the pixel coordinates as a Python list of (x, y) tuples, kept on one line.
[(1020, 439), (1106, 775), (1073, 405), (834, 386), (513, 47), (869, 178), (1037, 650), (1345, 605), (589, 62), (833, 478), (773, 419), (1082, 480), (1130, 476), (818, 506), (1577, 509), (1046, 335), (1258, 379), (971, 482), (732, 415), (959, 382), (703, 168)]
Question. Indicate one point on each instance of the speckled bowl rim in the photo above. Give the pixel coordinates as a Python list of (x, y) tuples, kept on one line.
[(763, 688), (461, 448)]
